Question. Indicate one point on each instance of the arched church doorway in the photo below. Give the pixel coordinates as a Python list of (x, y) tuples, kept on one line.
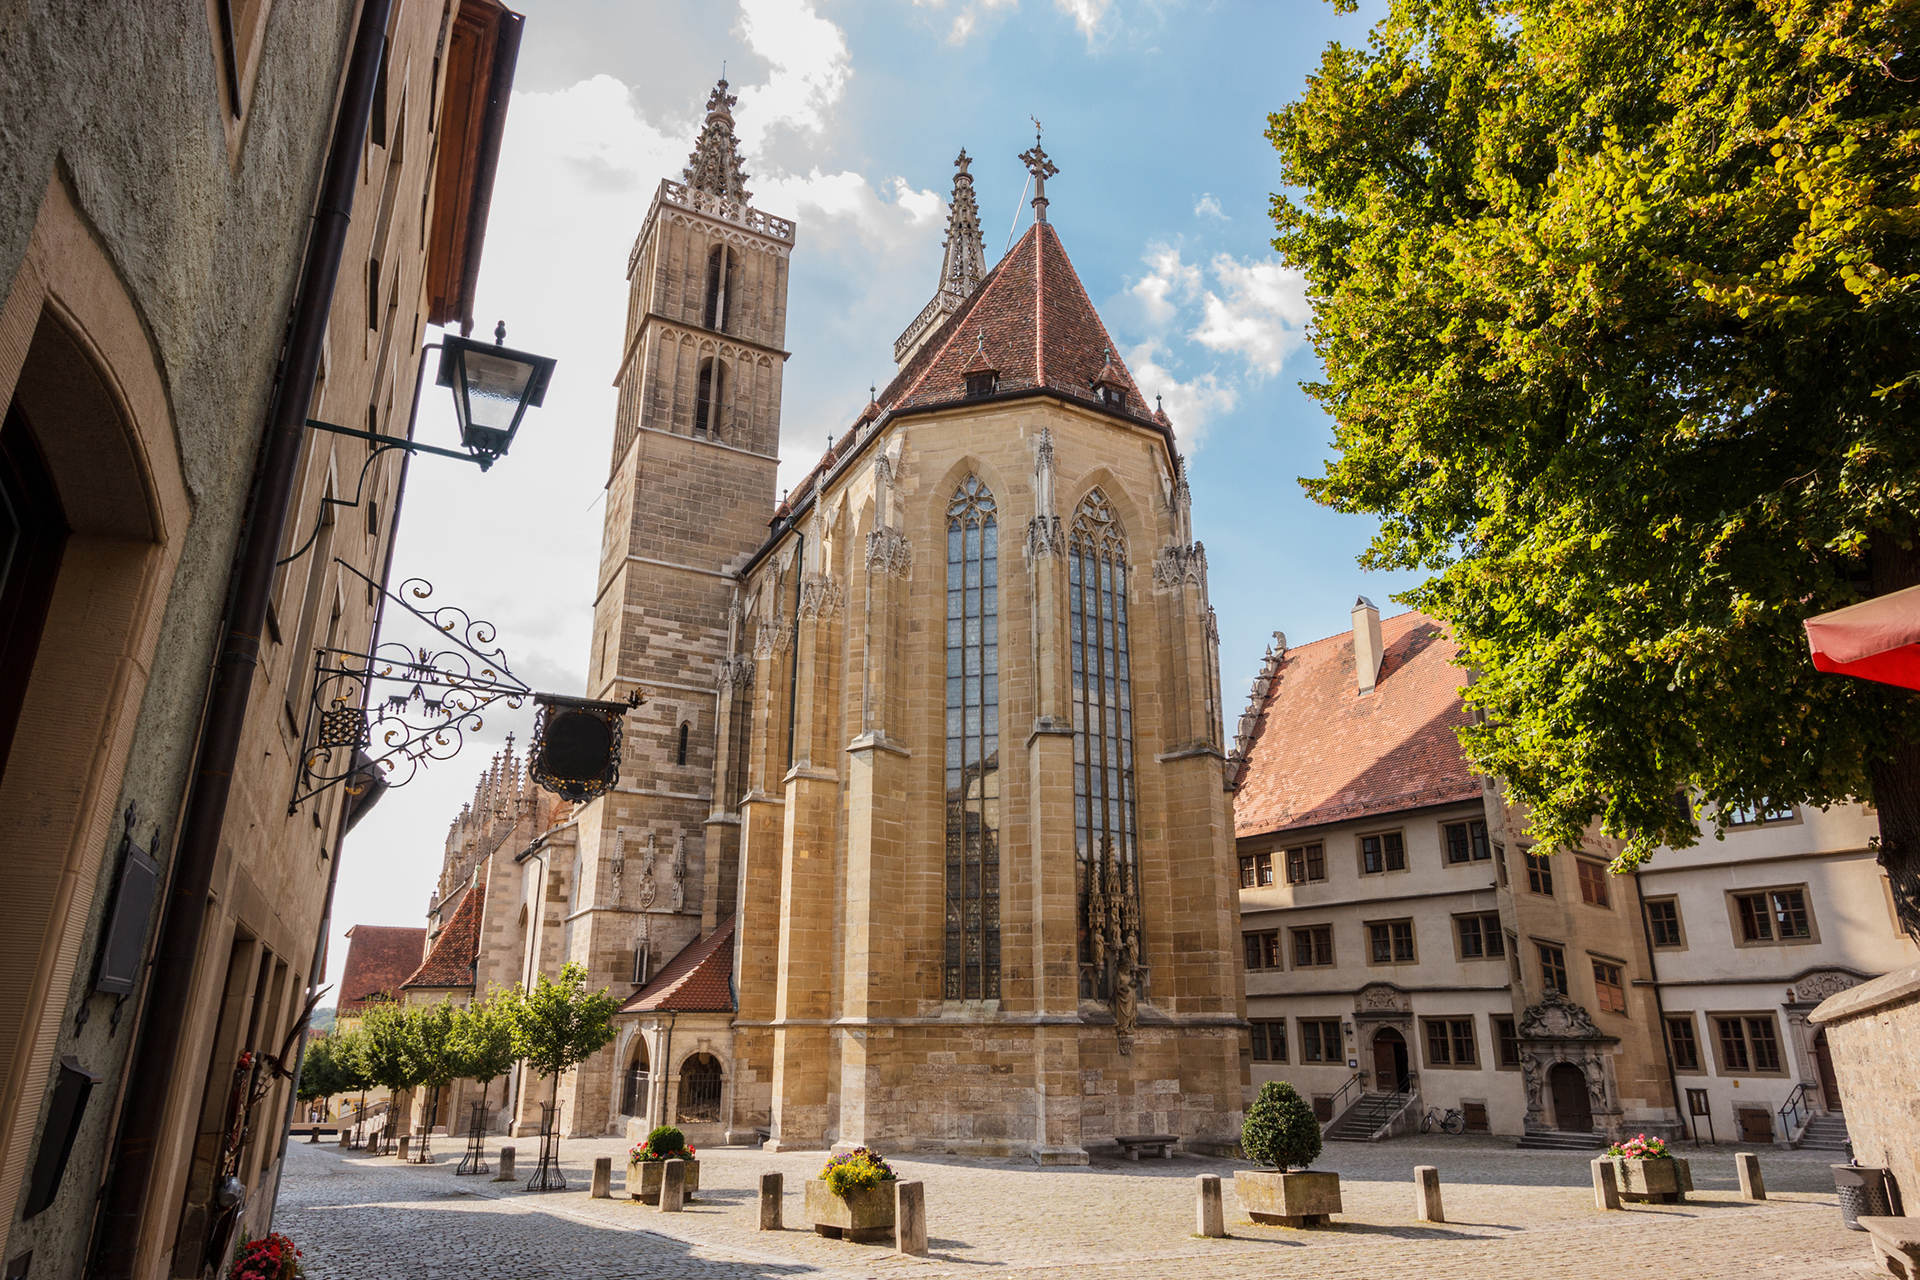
[(1823, 1061), (1390, 1074), (1572, 1111), (633, 1087), (700, 1089)]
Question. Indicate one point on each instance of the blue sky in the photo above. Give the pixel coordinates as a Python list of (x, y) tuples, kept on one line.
[(851, 113)]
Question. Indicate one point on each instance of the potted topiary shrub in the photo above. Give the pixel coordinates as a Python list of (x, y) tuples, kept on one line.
[(1646, 1171), (851, 1198), (1280, 1131), (647, 1163)]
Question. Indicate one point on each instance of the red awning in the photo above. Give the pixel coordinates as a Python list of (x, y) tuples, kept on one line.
[(1877, 639)]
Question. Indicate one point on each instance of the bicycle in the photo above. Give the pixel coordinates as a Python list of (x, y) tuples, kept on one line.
[(1452, 1122)]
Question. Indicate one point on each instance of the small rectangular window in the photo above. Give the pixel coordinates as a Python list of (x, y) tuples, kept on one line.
[(1480, 936), (1450, 1042), (1313, 946), (1263, 949), (1682, 1044), (1500, 864), (1765, 1047), (1540, 874), (1553, 968), (1756, 921), (1320, 1040), (1256, 870), (1759, 815), (1733, 1045), (1509, 1037), (979, 384), (1663, 922), (1610, 991), (1391, 941), (1790, 914), (1773, 915), (1308, 862), (1270, 1040), (1384, 852), (1593, 882), (1467, 842)]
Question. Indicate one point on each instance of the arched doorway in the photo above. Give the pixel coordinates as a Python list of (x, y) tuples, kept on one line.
[(700, 1089), (1572, 1110), (1823, 1061), (1390, 1074), (633, 1088)]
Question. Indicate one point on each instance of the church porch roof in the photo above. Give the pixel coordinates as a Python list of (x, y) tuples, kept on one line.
[(698, 980), (455, 952)]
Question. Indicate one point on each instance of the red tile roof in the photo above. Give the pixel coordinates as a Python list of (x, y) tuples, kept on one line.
[(454, 951), (1321, 753), (379, 958), (698, 980)]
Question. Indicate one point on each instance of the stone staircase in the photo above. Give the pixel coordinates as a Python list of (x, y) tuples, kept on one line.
[(1825, 1133), (1556, 1140), (1366, 1116)]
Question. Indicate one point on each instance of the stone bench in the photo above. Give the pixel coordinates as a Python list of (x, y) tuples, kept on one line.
[(1159, 1143), (1896, 1244)]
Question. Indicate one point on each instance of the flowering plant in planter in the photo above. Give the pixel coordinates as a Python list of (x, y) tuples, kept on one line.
[(271, 1257), (1641, 1148), (857, 1170), (664, 1143)]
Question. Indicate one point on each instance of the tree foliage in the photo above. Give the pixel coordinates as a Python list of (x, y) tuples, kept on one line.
[(321, 1075), (1616, 301), (432, 1058), (348, 1050), (1280, 1129), (383, 1051), (483, 1037), (560, 1024)]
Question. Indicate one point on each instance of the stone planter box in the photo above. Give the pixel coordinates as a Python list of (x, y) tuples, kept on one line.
[(1302, 1199), (644, 1177), (864, 1216), (1653, 1181)]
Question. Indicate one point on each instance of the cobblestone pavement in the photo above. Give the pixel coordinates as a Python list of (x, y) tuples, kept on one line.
[(1511, 1213)]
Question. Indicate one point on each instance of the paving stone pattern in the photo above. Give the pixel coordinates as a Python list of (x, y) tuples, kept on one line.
[(1511, 1213)]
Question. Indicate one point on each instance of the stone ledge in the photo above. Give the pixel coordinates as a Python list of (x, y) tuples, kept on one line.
[(1892, 988)]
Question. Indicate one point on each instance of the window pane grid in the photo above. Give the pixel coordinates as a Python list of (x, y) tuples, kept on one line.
[(972, 970)]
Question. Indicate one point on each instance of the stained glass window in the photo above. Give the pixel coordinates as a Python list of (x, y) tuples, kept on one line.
[(973, 745), (1103, 794)]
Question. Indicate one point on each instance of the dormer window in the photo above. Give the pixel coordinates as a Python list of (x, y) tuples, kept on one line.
[(980, 384), (1113, 397)]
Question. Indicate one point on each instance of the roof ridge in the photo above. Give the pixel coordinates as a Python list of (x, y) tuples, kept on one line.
[(1112, 348), (1039, 308), (973, 302)]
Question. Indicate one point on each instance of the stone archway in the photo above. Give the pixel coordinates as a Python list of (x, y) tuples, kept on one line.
[(1561, 1050)]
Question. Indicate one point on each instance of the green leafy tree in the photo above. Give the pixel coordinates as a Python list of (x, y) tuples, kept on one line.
[(560, 1024), (483, 1038), (432, 1058), (348, 1050), (1280, 1129), (321, 1076), (1618, 306), (385, 1052)]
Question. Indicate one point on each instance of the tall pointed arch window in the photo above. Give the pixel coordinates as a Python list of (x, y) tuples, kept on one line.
[(707, 398), (973, 745), (1105, 832)]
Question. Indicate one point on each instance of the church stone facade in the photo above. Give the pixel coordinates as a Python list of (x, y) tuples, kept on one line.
[(922, 838)]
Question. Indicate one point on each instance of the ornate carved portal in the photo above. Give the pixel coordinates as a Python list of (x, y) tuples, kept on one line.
[(1113, 938), (1381, 1006), (1557, 1031)]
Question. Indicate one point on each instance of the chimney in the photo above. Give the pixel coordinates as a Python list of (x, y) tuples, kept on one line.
[(1366, 644)]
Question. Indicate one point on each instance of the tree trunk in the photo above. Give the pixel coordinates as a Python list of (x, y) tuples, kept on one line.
[(1896, 781)]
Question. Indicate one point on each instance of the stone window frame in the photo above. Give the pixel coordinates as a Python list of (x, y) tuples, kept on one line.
[(1488, 920), (1260, 865), (1393, 943), (1272, 1032), (1339, 1059), (1293, 947), (1679, 923), (1502, 1038), (1692, 1023), (1764, 816), (1269, 944), (1540, 949), (1737, 930), (971, 965), (1453, 1039), (1312, 852), (1500, 873), (1591, 876), (1383, 835), (1541, 874), (1603, 967), (1474, 855), (1746, 1018)]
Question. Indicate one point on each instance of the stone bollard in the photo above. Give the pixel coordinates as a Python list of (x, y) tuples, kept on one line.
[(673, 1186), (602, 1178), (772, 1190), (1606, 1185), (506, 1166), (346, 1137), (1752, 1185), (1426, 1194), (910, 1218), (1209, 1217), (405, 1139)]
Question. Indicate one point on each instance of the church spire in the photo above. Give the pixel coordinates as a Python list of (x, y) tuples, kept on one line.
[(714, 166), (966, 259)]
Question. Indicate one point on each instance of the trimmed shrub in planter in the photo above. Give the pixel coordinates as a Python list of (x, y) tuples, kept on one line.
[(1280, 1131), (647, 1164)]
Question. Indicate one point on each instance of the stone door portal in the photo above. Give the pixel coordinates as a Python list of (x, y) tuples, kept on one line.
[(1823, 1061), (1389, 1061), (1572, 1112)]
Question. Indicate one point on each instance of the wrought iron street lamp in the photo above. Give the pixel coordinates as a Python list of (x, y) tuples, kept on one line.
[(492, 388)]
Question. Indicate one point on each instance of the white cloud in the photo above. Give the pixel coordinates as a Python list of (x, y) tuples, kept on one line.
[(810, 69), (1190, 405), (1086, 14), (967, 20), (1168, 282), (1262, 317), (1208, 207)]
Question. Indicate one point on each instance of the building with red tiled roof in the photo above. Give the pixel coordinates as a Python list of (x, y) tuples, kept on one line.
[(379, 960), (682, 1017), (456, 952), (698, 980)]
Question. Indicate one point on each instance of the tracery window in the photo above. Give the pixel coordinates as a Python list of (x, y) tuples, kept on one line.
[(1103, 788), (973, 745)]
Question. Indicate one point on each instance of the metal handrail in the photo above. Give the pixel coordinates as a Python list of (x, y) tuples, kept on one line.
[(1802, 1093), (1334, 1101)]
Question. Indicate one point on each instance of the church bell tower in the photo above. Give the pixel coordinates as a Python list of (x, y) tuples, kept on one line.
[(695, 458)]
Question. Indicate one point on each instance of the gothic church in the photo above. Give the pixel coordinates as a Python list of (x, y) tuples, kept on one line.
[(922, 839)]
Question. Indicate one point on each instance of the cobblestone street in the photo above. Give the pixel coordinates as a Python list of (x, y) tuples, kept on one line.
[(1512, 1213)]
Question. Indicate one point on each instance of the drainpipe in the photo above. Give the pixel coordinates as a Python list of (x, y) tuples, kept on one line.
[(1660, 1010), (157, 1054), (666, 1070)]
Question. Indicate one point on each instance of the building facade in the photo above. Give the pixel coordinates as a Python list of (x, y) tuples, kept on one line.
[(151, 246), (1408, 947)]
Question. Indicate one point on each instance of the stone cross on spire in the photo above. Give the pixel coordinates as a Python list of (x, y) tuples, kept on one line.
[(1041, 168), (714, 166), (966, 259)]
